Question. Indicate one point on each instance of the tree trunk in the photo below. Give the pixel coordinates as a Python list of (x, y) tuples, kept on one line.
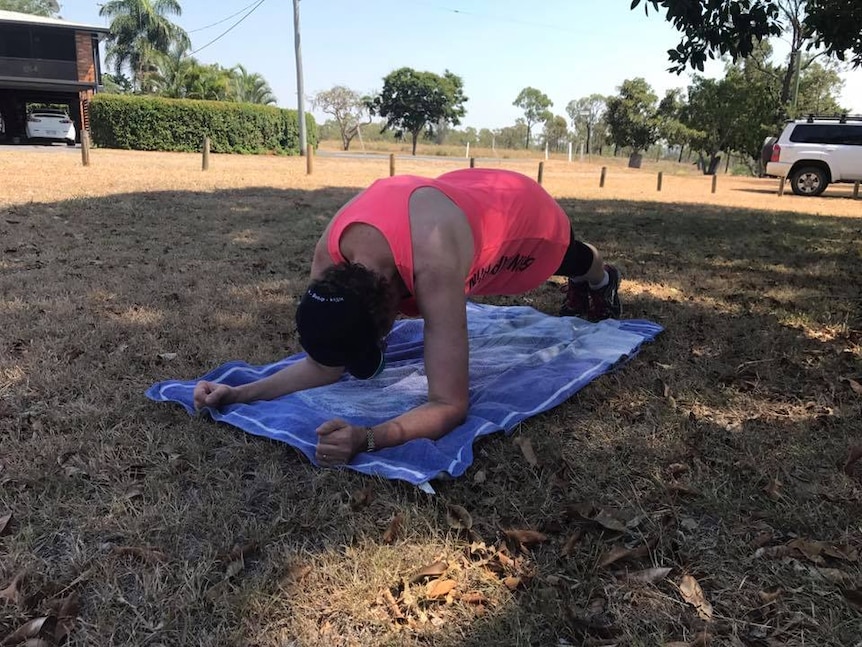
[(681, 151), (727, 165), (714, 163), (616, 150), (589, 137), (415, 139), (635, 160)]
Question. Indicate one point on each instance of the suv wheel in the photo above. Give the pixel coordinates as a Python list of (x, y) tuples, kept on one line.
[(808, 181)]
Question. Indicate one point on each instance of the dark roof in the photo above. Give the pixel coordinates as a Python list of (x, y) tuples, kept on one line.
[(16, 18)]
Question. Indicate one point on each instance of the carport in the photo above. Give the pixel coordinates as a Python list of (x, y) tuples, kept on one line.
[(46, 60)]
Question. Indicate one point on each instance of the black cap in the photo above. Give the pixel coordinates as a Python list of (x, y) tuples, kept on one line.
[(336, 330)]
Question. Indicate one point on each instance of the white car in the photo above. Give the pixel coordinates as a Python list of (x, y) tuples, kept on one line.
[(817, 151), (51, 125)]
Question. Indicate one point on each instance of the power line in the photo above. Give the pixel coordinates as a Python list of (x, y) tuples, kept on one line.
[(215, 24), (229, 29)]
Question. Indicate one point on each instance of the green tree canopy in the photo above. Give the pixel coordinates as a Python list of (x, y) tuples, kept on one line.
[(140, 30), (556, 133), (632, 117), (535, 104), (711, 28), (250, 87), (347, 106), (46, 8), (585, 113), (413, 101)]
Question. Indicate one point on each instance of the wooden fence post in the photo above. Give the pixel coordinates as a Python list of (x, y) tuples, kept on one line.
[(856, 190), (658, 181), (602, 178), (781, 181), (541, 171), (85, 147), (205, 164), (309, 159), (714, 183), (472, 162), (391, 164)]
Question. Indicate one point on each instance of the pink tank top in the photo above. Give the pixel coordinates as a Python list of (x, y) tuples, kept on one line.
[(520, 233)]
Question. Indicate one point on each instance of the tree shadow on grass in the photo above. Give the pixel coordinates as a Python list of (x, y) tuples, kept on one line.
[(730, 429)]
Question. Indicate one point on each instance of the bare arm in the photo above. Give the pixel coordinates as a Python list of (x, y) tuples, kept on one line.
[(304, 374), (440, 294)]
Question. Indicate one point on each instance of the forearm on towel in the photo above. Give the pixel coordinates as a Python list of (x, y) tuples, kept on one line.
[(299, 376)]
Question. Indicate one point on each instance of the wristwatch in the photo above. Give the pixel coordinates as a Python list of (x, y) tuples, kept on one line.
[(369, 439)]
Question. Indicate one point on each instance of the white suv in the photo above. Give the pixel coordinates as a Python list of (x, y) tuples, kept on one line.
[(817, 151)]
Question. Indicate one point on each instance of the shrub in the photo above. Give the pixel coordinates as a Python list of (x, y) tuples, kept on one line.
[(157, 124)]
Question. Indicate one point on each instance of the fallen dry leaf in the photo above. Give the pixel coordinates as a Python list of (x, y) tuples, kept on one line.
[(525, 537), (512, 582), (649, 575), (691, 592), (37, 642), (361, 498), (526, 446), (133, 492), (854, 455), (458, 518), (571, 544), (479, 477), (167, 357), (768, 597), (857, 388), (12, 593), (773, 489), (619, 552), (394, 528), (4, 522), (236, 558), (392, 605), (834, 575), (298, 572), (431, 570), (144, 553), (675, 469), (606, 519), (474, 597), (702, 639), (66, 610), (615, 554), (854, 598), (439, 588), (36, 628)]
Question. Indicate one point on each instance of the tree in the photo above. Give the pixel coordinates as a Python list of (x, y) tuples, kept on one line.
[(632, 118), (139, 31), (347, 107), (535, 105), (513, 136), (413, 101), (47, 8), (734, 27), (670, 116), (585, 114), (556, 133), (250, 87)]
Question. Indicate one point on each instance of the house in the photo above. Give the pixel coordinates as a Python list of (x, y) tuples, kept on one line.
[(46, 60)]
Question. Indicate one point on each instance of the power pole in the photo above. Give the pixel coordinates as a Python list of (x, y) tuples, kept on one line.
[(300, 93)]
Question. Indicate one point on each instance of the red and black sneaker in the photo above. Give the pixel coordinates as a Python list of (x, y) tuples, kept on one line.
[(605, 302), (577, 303)]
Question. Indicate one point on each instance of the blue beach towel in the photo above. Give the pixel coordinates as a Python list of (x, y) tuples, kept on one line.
[(522, 362)]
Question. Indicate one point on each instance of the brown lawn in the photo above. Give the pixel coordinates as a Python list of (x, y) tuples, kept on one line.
[(705, 493)]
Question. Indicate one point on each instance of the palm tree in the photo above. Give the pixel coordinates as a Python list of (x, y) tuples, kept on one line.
[(250, 87), (140, 30)]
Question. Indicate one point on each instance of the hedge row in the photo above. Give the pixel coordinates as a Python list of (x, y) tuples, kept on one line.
[(157, 124)]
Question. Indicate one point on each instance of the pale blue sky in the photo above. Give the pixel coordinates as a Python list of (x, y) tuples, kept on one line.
[(565, 48)]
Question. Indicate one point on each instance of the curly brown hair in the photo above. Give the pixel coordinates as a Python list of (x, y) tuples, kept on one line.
[(373, 291)]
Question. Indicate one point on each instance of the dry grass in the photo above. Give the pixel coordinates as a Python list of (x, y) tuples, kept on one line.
[(729, 434)]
